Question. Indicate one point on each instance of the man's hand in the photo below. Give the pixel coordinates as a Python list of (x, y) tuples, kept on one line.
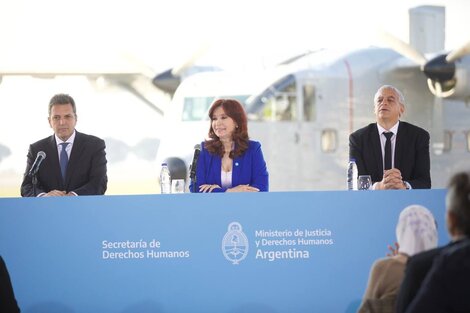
[(391, 180), (55, 193)]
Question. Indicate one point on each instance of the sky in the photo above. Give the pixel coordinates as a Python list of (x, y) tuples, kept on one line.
[(156, 35), (241, 33)]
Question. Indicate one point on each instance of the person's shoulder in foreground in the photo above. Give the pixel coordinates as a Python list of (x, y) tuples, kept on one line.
[(446, 287), (8, 302), (446, 284)]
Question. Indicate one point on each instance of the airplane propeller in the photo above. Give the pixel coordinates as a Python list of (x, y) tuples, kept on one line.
[(170, 79), (166, 81), (440, 72), (402, 48), (458, 53)]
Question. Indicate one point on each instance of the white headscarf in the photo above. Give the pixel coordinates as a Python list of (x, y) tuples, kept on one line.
[(416, 230)]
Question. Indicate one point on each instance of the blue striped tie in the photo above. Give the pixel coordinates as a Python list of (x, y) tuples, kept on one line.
[(64, 159)]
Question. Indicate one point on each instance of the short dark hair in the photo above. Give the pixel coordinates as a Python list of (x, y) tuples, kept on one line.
[(459, 200), (62, 98)]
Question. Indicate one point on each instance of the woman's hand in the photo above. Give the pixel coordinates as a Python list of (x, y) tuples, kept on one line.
[(393, 250), (207, 188), (243, 188)]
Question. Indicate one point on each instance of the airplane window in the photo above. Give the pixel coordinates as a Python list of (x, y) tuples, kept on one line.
[(195, 109), (309, 102), (446, 145), (241, 98), (276, 103), (329, 140), (280, 108), (448, 136)]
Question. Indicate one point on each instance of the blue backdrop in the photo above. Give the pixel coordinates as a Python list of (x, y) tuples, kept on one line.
[(250, 252)]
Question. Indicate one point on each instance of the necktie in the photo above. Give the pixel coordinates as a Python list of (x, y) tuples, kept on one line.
[(388, 151), (64, 159)]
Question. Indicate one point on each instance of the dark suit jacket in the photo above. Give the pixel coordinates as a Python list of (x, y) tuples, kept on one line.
[(8, 302), (411, 154), (86, 170), (416, 270), (446, 287), (249, 168)]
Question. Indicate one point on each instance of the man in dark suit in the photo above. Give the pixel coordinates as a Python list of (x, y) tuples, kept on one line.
[(8, 302), (394, 153), (446, 287), (75, 163), (458, 227)]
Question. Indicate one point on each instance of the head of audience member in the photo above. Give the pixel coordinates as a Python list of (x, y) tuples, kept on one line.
[(416, 230), (228, 124), (458, 206), (389, 105), (62, 115)]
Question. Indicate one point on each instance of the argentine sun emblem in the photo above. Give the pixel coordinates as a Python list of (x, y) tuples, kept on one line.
[(235, 243)]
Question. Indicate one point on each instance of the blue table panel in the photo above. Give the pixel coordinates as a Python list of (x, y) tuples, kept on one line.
[(241, 252)]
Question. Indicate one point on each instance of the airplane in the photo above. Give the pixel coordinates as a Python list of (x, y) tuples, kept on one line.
[(116, 100), (132, 139), (303, 110)]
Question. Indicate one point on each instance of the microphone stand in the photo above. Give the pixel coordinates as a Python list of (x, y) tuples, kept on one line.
[(34, 180), (192, 177), (195, 184)]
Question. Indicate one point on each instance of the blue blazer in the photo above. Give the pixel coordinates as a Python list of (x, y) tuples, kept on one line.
[(249, 168)]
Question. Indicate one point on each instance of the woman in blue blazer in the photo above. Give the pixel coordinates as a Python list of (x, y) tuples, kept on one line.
[(229, 161)]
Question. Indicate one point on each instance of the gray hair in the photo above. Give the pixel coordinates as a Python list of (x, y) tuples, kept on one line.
[(401, 98)]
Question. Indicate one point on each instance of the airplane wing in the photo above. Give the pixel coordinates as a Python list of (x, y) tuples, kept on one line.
[(43, 64), (121, 70)]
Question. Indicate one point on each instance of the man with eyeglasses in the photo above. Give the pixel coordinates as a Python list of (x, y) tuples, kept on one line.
[(68, 163)]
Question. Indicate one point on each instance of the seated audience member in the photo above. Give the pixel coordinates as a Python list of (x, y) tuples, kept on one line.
[(458, 227), (393, 152), (8, 302), (446, 287), (229, 161), (416, 231)]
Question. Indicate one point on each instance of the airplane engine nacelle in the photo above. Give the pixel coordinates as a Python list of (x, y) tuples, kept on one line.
[(453, 83), (462, 85)]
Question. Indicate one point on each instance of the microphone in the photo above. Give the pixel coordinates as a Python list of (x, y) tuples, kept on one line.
[(39, 158), (193, 166)]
